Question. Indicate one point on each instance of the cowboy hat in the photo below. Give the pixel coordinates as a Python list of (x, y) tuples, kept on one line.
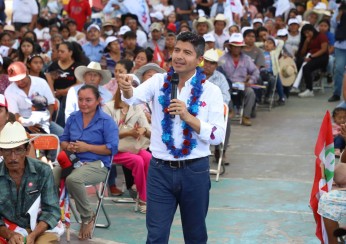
[(288, 71), (13, 135), (211, 55), (202, 20), (221, 17), (140, 72), (94, 67)]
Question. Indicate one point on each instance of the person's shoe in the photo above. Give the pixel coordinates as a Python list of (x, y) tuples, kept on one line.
[(294, 90), (281, 102), (246, 121), (334, 98), (306, 93), (115, 191), (329, 79), (133, 192)]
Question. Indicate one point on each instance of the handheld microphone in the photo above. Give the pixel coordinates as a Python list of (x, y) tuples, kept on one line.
[(174, 89)]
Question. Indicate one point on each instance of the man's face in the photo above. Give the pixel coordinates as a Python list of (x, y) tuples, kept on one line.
[(202, 28), (155, 34), (219, 25), (250, 39), (15, 158), (132, 23), (148, 74), (92, 78), (93, 34), (170, 41), (130, 43), (184, 57), (24, 83), (209, 67), (234, 50)]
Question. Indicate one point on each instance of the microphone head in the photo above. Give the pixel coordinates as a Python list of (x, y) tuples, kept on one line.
[(175, 79)]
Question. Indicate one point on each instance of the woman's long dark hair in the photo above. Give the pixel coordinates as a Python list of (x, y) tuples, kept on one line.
[(20, 52), (306, 27), (77, 52)]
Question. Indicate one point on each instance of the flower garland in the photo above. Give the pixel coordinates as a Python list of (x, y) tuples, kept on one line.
[(193, 103)]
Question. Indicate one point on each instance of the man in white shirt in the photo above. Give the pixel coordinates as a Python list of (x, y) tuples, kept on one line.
[(179, 170), (19, 96), (91, 75), (24, 12), (220, 23)]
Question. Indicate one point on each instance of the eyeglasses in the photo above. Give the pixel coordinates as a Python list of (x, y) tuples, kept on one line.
[(17, 151)]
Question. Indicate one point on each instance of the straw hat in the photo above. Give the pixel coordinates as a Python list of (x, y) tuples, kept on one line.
[(202, 20), (80, 71), (13, 135), (140, 72), (288, 71), (237, 40), (211, 55), (221, 17)]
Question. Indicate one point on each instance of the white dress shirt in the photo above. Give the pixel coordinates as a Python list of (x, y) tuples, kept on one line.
[(72, 98), (210, 115), (220, 40)]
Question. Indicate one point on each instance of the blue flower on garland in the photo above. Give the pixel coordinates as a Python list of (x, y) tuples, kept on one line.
[(193, 104)]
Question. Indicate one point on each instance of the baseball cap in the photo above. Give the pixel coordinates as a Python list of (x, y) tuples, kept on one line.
[(3, 101), (273, 40), (237, 40), (282, 32), (16, 71), (293, 21), (155, 26), (209, 37), (93, 26), (123, 30), (157, 15), (257, 20), (110, 39)]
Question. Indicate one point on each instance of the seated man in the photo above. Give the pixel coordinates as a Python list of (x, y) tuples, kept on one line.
[(239, 68), (90, 75), (23, 180)]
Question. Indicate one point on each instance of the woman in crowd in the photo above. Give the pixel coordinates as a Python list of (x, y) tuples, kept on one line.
[(132, 118), (165, 7), (62, 73), (124, 66), (112, 54), (35, 64), (143, 57), (314, 48), (324, 27), (4, 82), (92, 136), (26, 48)]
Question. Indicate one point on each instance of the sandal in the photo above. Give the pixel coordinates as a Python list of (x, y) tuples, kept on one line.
[(142, 207), (86, 229)]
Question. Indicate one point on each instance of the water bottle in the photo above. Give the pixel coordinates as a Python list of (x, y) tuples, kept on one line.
[(73, 159)]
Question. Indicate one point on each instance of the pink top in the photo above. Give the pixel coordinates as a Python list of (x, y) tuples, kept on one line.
[(336, 129), (4, 83)]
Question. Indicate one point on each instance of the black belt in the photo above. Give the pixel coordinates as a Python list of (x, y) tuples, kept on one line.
[(177, 164)]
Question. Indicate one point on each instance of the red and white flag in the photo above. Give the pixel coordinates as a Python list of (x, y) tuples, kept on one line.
[(158, 58), (324, 172), (237, 7)]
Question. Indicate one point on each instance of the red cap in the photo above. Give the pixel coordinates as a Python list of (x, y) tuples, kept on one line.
[(16, 71), (172, 27), (3, 101), (64, 160)]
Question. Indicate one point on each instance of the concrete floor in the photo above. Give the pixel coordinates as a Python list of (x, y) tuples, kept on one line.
[(263, 197)]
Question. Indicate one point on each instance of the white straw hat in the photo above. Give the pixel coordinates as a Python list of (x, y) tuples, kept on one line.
[(211, 55), (94, 67), (13, 135)]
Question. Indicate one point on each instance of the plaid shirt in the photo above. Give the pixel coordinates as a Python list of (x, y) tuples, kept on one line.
[(37, 179)]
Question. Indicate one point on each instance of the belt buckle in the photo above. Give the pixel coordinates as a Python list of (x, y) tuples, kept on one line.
[(175, 166)]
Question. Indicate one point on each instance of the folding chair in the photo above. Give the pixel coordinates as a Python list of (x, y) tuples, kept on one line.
[(318, 83), (100, 192), (266, 84), (220, 163), (46, 142), (237, 96)]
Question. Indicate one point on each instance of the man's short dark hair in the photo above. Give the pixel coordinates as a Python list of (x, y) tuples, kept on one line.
[(247, 32), (130, 35), (197, 41)]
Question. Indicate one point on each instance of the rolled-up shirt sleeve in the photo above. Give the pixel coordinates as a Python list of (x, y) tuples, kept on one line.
[(213, 130)]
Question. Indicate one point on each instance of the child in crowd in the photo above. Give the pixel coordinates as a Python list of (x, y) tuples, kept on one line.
[(339, 117), (39, 115)]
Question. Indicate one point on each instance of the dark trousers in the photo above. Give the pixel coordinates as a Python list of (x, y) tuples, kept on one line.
[(320, 62), (169, 187)]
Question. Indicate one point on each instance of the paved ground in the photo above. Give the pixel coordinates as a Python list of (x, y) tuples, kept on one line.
[(263, 197)]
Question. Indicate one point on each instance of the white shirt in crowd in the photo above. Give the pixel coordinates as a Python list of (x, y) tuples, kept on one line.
[(141, 38), (23, 10), (220, 40), (210, 115), (20, 103), (41, 118), (72, 99)]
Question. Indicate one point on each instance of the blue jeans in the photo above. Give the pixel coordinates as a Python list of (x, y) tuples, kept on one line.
[(340, 63), (169, 187)]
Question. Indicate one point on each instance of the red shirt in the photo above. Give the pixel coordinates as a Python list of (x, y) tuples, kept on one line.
[(79, 10), (316, 43)]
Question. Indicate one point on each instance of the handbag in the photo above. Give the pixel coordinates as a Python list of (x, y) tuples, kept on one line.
[(131, 144)]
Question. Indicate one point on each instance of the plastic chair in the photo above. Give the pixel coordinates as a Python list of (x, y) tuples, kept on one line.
[(100, 193), (220, 163), (46, 142)]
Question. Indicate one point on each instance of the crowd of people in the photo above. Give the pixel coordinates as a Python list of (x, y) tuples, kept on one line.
[(99, 78)]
